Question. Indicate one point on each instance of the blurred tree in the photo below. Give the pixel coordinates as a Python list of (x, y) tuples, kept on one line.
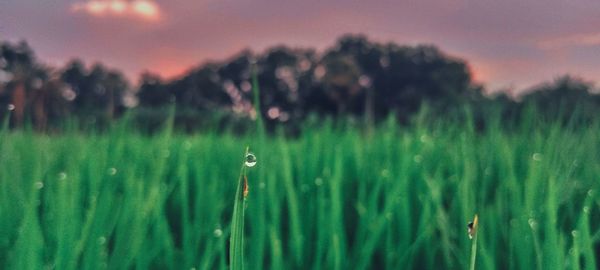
[(96, 93), (354, 77), (152, 91), (423, 74), (362, 77), (235, 77), (200, 90), (24, 87), (565, 96), (341, 83), (371, 58), (50, 103), (283, 74)]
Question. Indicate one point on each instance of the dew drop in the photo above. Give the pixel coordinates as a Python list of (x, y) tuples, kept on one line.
[(488, 171), (418, 158), (187, 145), (112, 171), (586, 209), (361, 209), (318, 181), (11, 107), (101, 240), (532, 223), (38, 185), (537, 157), (218, 233), (250, 160), (62, 176), (262, 185), (575, 233)]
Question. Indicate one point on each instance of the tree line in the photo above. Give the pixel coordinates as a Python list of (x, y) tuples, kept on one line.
[(355, 78)]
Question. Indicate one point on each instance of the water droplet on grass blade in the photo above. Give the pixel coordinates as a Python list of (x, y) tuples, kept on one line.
[(187, 145), (38, 185), (537, 157), (218, 233), (318, 181), (385, 173), (488, 171), (101, 240), (532, 223), (112, 171), (11, 107), (575, 233), (250, 160)]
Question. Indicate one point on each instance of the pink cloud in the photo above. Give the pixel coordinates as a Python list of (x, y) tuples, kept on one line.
[(139, 9)]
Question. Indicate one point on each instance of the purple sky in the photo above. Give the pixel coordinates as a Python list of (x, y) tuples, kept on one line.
[(508, 43)]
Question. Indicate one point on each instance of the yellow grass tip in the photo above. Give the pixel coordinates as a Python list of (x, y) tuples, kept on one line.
[(472, 227)]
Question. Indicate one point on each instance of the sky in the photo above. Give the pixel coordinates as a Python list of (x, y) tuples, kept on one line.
[(509, 44)]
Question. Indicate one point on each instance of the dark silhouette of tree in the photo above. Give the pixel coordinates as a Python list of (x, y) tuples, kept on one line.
[(99, 92), (564, 97), (423, 74), (371, 59), (341, 83), (52, 103), (152, 91), (361, 77), (27, 89), (200, 90), (283, 75), (355, 77)]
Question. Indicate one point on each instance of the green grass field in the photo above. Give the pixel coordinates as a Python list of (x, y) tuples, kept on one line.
[(333, 198)]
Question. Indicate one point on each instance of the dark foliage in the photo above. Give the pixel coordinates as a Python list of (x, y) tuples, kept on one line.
[(355, 78)]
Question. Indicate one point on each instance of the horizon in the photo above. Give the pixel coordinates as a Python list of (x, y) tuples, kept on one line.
[(511, 45)]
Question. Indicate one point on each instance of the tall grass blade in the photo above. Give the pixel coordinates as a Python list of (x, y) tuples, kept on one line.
[(236, 248)]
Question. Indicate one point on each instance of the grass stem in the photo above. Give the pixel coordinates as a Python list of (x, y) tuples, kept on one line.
[(236, 248)]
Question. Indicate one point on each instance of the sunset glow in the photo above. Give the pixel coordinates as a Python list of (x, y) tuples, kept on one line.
[(145, 9), (505, 43), (140, 9)]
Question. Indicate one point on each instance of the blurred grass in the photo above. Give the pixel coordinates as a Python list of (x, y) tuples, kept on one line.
[(333, 198)]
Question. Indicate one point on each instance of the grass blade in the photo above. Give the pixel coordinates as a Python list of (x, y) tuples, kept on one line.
[(236, 248)]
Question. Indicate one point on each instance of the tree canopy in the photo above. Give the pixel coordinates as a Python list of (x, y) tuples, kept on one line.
[(356, 77)]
